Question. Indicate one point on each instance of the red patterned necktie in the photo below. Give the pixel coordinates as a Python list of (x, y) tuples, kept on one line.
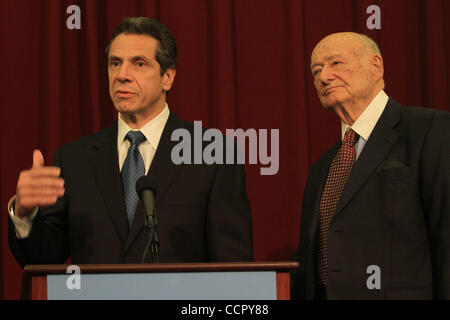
[(340, 169)]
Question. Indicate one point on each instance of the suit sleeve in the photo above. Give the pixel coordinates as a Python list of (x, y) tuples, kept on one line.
[(229, 219), (47, 242), (299, 281), (436, 200)]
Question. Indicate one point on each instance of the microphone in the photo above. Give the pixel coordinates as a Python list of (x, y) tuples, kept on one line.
[(146, 193)]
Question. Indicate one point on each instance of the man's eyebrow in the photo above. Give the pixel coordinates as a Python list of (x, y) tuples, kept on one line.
[(133, 59), (114, 58), (328, 58), (316, 64), (138, 58)]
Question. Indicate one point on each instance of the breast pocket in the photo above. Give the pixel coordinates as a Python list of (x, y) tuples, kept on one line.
[(397, 174), (398, 192)]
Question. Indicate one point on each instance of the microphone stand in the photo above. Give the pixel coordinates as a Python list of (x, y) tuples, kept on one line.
[(153, 241)]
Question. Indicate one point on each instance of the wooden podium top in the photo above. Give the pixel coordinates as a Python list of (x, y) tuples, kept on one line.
[(280, 266)]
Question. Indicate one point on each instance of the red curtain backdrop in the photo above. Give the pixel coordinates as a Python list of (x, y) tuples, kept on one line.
[(242, 64)]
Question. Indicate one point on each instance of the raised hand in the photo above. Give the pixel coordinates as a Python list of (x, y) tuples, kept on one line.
[(38, 186)]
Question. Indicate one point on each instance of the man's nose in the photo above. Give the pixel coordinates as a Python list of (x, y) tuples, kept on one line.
[(326, 75), (124, 74)]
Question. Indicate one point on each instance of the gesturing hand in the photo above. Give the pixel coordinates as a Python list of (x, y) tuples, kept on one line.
[(38, 186)]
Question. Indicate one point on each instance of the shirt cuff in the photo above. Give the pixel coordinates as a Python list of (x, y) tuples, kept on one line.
[(23, 225)]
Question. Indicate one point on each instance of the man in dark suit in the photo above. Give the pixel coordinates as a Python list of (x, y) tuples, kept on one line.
[(376, 208), (85, 207)]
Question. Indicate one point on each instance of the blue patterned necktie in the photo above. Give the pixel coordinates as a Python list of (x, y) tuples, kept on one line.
[(133, 168)]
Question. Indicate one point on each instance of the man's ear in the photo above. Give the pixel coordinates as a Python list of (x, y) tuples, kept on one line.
[(168, 79), (377, 65)]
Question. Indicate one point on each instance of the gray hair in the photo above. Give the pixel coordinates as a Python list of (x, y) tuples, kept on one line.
[(369, 43)]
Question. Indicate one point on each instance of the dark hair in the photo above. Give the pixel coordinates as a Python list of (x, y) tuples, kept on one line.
[(166, 52)]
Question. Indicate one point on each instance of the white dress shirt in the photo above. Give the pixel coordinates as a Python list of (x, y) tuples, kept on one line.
[(365, 123), (152, 130)]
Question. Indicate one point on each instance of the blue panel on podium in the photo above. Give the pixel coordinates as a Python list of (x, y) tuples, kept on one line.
[(246, 285)]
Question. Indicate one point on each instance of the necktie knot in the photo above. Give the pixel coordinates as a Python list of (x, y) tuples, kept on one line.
[(350, 137), (135, 137)]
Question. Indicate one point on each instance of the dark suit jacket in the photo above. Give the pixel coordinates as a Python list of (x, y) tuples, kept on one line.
[(394, 213), (202, 210)]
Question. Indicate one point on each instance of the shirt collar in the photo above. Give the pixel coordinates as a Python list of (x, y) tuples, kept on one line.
[(365, 123), (152, 130)]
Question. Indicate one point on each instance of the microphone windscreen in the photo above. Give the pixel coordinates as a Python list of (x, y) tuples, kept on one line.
[(144, 183)]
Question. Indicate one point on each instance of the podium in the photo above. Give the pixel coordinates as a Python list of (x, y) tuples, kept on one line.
[(165, 281)]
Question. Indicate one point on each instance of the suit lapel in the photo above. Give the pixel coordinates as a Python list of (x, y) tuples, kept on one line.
[(162, 173), (381, 141), (105, 167), (318, 180), (162, 170)]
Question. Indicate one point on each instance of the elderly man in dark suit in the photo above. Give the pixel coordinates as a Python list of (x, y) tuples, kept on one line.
[(85, 207), (376, 208)]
